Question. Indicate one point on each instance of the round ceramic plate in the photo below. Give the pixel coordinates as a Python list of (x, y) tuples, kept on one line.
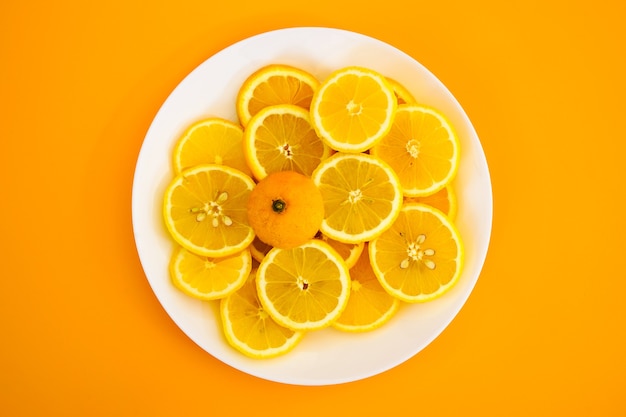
[(326, 356)]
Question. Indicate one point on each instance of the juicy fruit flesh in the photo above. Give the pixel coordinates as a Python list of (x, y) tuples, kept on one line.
[(353, 109), (420, 256), (281, 138), (369, 305), (304, 288), (250, 329), (360, 197), (422, 148), (204, 209)]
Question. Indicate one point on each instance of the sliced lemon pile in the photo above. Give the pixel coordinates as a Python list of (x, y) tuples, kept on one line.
[(328, 204)]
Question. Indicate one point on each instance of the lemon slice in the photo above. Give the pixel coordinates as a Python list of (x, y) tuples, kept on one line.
[(281, 138), (353, 109), (444, 200), (274, 84), (362, 196), (249, 329), (258, 249), (422, 148), (420, 257), (349, 252), (403, 95), (204, 208), (211, 141), (304, 288), (209, 278), (369, 305)]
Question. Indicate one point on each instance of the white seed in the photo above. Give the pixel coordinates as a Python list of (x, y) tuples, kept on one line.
[(429, 264), (420, 239), (429, 252), (215, 222), (200, 216), (222, 197), (227, 221), (404, 264)]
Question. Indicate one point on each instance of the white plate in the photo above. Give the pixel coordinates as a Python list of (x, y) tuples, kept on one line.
[(326, 356)]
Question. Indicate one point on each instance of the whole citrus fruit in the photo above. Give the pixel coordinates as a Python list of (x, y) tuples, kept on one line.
[(285, 209)]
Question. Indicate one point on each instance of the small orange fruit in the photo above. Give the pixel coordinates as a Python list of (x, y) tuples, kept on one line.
[(285, 209)]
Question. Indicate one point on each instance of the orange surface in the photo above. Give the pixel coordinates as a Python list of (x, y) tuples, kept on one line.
[(542, 334)]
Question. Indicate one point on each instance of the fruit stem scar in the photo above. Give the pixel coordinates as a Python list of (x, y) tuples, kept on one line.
[(278, 205)]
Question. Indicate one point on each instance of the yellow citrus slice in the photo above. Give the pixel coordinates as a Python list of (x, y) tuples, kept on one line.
[(304, 288), (420, 257), (403, 95), (281, 138), (204, 209), (211, 141), (444, 200), (349, 252), (209, 278), (353, 109), (369, 305), (258, 249), (362, 196), (249, 329), (422, 148), (274, 84)]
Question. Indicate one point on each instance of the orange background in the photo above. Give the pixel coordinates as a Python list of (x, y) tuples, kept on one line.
[(544, 331)]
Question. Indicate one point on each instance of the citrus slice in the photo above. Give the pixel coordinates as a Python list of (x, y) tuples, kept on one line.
[(403, 95), (204, 209), (258, 249), (209, 278), (349, 252), (304, 288), (285, 209), (211, 141), (281, 138), (274, 84), (353, 109), (362, 196), (422, 148), (369, 305), (444, 200), (249, 329), (420, 257)]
